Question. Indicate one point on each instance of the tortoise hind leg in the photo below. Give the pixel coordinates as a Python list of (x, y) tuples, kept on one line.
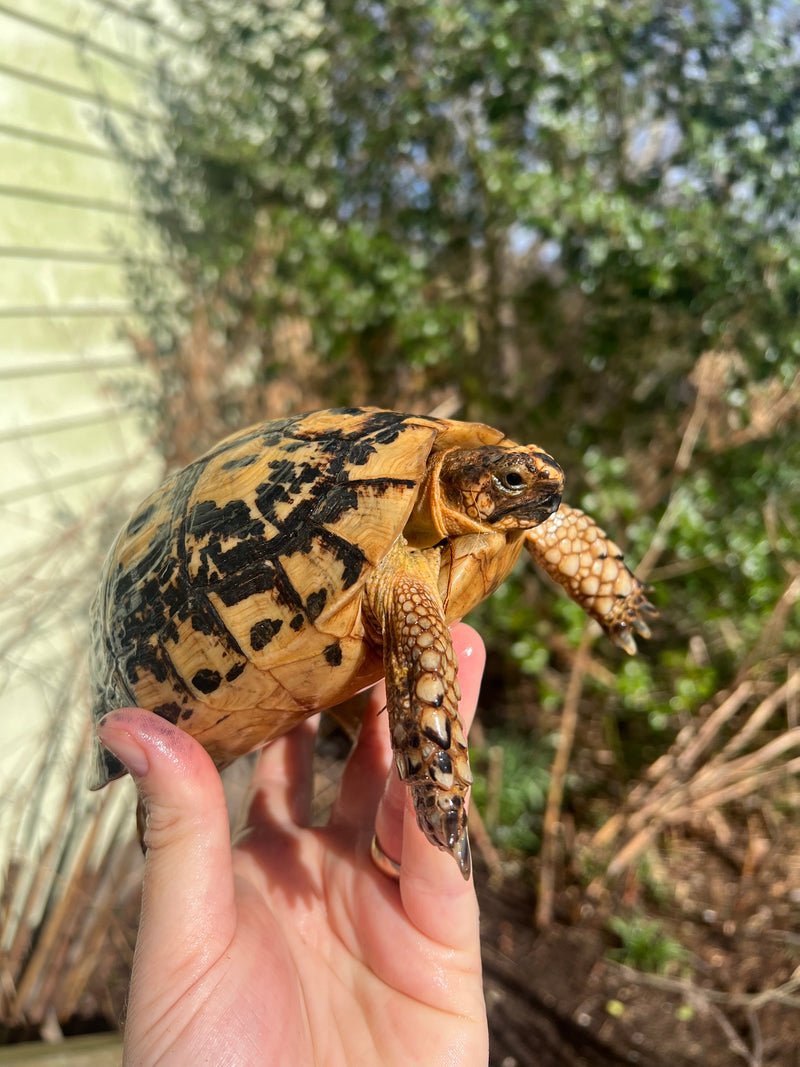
[(422, 696)]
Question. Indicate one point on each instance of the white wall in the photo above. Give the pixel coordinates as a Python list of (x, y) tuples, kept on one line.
[(72, 454)]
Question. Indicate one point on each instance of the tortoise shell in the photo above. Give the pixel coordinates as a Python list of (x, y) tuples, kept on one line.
[(277, 574)]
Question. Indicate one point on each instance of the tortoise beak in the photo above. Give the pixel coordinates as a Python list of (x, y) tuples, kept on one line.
[(530, 512)]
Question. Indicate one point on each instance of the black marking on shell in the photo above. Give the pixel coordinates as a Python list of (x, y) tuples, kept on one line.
[(223, 539), (140, 520), (242, 461), (297, 622), (315, 603), (292, 474), (207, 517), (388, 435), (241, 587), (187, 714), (237, 558), (157, 662), (170, 711), (134, 581), (335, 503), (380, 427), (352, 559), (268, 494), (234, 672), (206, 680), (333, 654), (285, 592), (203, 622), (345, 496), (143, 601), (213, 625), (263, 632)]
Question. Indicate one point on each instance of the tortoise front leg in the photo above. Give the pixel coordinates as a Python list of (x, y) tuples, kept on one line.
[(580, 556), (422, 695)]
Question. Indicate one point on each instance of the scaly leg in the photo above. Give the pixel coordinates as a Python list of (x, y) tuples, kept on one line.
[(578, 555), (422, 695)]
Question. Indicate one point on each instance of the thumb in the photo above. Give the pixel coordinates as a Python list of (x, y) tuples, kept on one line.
[(188, 910)]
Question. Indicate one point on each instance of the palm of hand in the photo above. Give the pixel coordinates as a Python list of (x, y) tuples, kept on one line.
[(294, 949)]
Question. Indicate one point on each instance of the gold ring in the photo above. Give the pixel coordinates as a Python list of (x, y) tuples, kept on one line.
[(384, 863)]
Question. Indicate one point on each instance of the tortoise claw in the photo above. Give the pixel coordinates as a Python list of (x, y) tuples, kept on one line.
[(621, 632), (462, 854), (630, 614), (448, 831), (623, 638)]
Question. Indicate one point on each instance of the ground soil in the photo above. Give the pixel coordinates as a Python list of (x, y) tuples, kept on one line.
[(556, 999), (727, 889)]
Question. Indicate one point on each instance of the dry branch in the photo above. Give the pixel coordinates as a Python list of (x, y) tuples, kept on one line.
[(555, 796), (676, 789)]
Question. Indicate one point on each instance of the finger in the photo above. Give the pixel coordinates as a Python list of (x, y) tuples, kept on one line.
[(188, 913), (391, 816), (365, 772), (281, 788)]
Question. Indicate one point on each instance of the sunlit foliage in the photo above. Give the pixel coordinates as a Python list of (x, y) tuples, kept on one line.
[(577, 218)]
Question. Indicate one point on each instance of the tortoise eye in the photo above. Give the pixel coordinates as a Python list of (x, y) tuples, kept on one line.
[(511, 481)]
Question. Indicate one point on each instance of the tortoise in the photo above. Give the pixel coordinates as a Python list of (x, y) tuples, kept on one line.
[(300, 560)]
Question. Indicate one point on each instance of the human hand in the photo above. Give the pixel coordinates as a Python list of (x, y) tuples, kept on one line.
[(292, 948)]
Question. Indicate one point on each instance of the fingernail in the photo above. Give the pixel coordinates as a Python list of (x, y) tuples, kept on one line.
[(125, 748)]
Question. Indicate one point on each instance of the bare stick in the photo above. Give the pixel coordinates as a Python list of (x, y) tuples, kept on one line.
[(762, 714), (555, 795)]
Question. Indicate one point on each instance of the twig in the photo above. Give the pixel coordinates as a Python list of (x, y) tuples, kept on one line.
[(494, 785), (762, 714), (672, 800), (757, 1039), (684, 987), (735, 1043), (682, 461), (555, 794), (662, 771), (775, 625), (482, 840), (710, 729)]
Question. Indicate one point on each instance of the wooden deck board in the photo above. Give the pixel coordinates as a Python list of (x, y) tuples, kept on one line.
[(96, 1050)]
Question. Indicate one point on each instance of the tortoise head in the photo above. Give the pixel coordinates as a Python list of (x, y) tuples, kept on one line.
[(511, 488)]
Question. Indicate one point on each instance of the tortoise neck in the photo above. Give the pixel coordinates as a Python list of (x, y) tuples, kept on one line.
[(433, 518)]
